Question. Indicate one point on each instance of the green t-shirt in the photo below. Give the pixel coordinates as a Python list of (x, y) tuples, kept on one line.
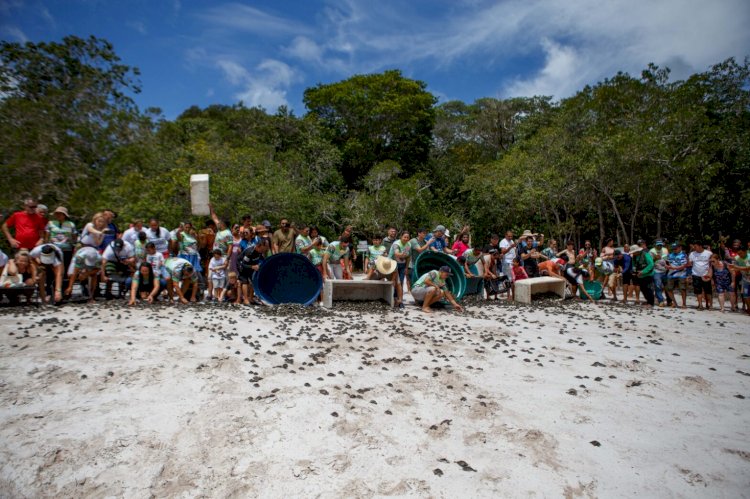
[(415, 244), (401, 247), (336, 252), (434, 276), (316, 255), (223, 241), (174, 268), (302, 242), (373, 252), (744, 262), (471, 258), (188, 245), (61, 234)]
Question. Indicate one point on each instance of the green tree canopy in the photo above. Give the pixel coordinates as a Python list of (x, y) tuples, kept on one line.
[(374, 118)]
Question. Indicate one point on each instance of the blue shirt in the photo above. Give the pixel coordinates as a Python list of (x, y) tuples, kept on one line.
[(436, 243), (677, 260), (108, 238), (624, 262)]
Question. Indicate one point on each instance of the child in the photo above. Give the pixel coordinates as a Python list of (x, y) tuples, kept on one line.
[(373, 252), (231, 290), (217, 273), (140, 248), (519, 273), (724, 281)]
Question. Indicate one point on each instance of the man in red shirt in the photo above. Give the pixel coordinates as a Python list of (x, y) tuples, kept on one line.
[(29, 227)]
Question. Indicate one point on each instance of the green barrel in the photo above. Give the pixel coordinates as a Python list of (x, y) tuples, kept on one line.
[(431, 260)]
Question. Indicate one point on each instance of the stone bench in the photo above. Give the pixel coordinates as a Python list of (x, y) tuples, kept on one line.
[(359, 290), (525, 288)]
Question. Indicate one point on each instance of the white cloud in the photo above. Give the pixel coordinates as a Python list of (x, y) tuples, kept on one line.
[(305, 49), (245, 18), (564, 73), (266, 86), (13, 33)]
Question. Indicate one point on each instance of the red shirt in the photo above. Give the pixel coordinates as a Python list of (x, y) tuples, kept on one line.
[(28, 228), (459, 248), (519, 274)]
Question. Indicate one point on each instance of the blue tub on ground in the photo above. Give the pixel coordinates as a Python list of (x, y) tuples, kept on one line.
[(287, 278)]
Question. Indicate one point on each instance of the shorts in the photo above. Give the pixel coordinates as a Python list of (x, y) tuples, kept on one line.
[(245, 276), (701, 287), (746, 290), (419, 293), (679, 283), (627, 279), (218, 282), (723, 287), (612, 280)]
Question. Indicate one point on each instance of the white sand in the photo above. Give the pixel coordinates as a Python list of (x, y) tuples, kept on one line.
[(179, 415)]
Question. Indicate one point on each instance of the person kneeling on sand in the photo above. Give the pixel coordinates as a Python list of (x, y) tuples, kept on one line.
[(430, 288), (145, 284), (387, 268), (181, 277)]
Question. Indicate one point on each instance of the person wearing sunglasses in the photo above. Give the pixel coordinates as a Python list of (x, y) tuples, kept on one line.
[(28, 225)]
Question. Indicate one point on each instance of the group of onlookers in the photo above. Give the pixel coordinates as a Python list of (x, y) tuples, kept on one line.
[(147, 261)]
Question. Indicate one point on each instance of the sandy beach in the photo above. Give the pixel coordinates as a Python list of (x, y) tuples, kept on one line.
[(548, 400)]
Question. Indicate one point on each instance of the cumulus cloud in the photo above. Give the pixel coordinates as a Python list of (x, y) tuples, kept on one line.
[(564, 72), (266, 86)]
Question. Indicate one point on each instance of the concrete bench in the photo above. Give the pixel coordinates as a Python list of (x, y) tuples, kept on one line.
[(525, 288), (338, 290)]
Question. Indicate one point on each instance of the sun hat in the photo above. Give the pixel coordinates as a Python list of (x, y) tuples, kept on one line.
[(48, 255), (446, 269), (63, 210), (527, 233), (385, 265)]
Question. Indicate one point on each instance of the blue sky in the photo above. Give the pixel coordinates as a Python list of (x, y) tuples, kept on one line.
[(266, 53)]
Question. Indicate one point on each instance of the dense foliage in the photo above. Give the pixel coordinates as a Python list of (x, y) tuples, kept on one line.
[(628, 157)]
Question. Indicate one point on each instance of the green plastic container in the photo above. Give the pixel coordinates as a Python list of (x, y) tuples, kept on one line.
[(594, 288), (431, 260)]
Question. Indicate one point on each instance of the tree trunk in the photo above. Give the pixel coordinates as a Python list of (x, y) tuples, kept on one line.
[(601, 222), (635, 211)]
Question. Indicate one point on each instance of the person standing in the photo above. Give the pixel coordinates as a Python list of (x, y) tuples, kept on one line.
[(62, 233), (282, 240), (700, 263), (509, 253), (159, 236), (643, 266), (659, 254), (131, 234), (677, 264), (28, 226)]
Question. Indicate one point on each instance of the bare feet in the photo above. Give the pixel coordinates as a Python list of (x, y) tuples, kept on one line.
[(426, 310)]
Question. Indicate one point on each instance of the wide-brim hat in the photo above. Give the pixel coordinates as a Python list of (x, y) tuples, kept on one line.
[(63, 210), (385, 265), (528, 233)]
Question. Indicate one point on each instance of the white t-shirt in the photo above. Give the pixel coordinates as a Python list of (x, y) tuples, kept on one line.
[(217, 273), (511, 254), (156, 261), (126, 252), (131, 235), (700, 261), (160, 239)]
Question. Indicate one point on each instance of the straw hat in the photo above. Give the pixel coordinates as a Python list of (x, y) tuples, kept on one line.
[(385, 265), (527, 233)]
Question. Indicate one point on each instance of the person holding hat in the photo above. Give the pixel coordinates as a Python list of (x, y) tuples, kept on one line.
[(61, 232), (50, 266), (387, 268), (374, 251), (118, 263), (28, 225), (677, 264), (181, 278), (659, 254), (431, 287), (85, 267)]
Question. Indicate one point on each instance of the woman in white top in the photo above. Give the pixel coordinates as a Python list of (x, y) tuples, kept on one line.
[(93, 233)]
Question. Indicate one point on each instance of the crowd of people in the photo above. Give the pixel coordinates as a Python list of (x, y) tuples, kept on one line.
[(217, 262)]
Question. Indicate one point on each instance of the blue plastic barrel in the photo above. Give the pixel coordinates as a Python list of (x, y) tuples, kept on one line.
[(287, 278), (432, 260)]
